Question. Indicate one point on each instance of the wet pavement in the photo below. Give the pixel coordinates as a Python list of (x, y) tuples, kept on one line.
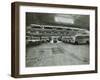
[(53, 54)]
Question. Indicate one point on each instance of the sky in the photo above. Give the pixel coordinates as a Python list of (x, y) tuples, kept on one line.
[(74, 20)]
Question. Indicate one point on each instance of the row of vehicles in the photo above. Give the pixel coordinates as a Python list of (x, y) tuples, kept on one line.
[(77, 39), (36, 40)]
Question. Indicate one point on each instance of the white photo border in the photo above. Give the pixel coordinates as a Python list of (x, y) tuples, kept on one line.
[(53, 69)]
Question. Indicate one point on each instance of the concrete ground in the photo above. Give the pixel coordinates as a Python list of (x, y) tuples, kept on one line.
[(53, 54)]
